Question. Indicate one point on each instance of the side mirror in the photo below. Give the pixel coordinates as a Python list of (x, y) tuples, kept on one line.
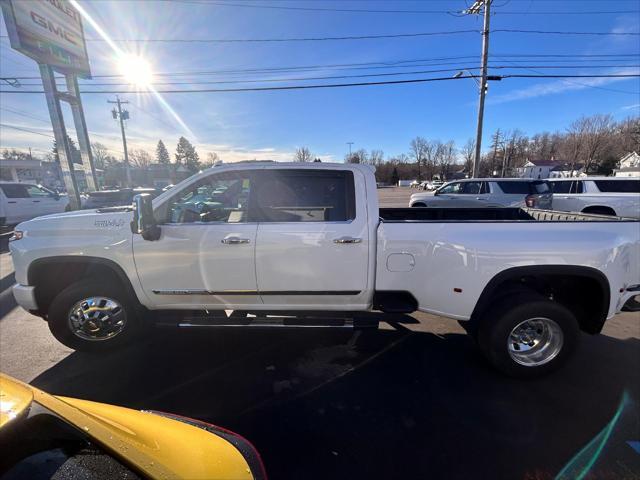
[(55, 195), (143, 222)]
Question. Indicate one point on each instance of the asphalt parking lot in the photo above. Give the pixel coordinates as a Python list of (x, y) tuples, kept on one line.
[(412, 400)]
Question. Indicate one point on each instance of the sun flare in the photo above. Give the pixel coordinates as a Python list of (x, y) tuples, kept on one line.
[(136, 70)]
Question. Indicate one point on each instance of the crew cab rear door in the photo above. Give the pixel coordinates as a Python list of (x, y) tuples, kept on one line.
[(312, 245), (206, 252)]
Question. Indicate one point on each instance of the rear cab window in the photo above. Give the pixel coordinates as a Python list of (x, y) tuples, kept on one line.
[(283, 195), (15, 191), (618, 186)]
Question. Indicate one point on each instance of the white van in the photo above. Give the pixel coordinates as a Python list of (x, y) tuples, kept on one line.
[(22, 201)]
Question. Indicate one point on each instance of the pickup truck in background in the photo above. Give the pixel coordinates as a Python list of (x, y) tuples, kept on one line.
[(300, 239), (598, 195), (23, 201), (487, 192)]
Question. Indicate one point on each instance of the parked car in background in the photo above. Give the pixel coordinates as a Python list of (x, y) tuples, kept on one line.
[(23, 201), (115, 198), (47, 436), (415, 184), (600, 195), (433, 185), (488, 192)]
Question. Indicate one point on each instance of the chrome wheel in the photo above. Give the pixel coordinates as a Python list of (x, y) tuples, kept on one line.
[(535, 342), (97, 318)]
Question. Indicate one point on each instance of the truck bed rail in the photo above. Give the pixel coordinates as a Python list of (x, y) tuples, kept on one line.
[(430, 214)]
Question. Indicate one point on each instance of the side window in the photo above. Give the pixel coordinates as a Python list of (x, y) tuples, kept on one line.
[(304, 196), (561, 187), (15, 191), (37, 192), (451, 188), (484, 189), (220, 197), (577, 187), (471, 188)]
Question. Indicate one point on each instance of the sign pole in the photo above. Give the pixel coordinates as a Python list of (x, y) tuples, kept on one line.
[(81, 130), (60, 133)]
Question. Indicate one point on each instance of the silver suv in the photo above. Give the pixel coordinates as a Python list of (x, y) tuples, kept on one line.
[(488, 192)]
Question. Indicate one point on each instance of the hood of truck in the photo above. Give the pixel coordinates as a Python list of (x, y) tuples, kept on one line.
[(108, 218)]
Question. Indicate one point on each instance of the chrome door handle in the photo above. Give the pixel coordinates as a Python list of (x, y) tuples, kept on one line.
[(234, 240), (347, 240), (481, 199)]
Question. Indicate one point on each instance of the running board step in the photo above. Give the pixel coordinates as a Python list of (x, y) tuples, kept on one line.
[(276, 322)]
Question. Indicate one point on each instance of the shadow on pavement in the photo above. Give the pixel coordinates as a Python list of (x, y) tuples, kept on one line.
[(370, 404)]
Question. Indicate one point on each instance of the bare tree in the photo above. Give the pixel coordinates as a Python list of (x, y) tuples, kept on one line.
[(140, 158), (359, 156), (419, 147), (468, 152), (212, 158), (302, 154), (594, 133), (376, 157)]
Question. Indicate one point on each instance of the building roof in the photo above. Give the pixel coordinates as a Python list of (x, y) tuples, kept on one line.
[(546, 163), (629, 155)]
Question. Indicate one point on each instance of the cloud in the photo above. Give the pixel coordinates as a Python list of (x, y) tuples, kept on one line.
[(560, 86), (631, 107)]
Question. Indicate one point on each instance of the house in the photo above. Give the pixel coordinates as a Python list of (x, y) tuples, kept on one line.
[(567, 170), (628, 166), (550, 169)]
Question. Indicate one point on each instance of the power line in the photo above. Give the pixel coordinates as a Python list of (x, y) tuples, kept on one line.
[(25, 114), (351, 37), (368, 10), (334, 85), (337, 77), (22, 129), (380, 64)]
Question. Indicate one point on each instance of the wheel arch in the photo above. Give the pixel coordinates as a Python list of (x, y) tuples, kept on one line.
[(584, 290), (592, 208), (51, 275)]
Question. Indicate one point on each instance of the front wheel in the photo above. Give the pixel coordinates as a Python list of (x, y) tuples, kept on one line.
[(528, 336), (93, 316)]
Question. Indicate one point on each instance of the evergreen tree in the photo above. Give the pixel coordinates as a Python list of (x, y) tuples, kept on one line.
[(186, 155), (162, 155), (75, 153), (394, 176)]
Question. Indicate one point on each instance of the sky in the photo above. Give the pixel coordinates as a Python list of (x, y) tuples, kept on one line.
[(272, 124)]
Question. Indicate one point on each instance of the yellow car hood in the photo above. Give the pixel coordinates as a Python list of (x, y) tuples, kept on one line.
[(157, 446)]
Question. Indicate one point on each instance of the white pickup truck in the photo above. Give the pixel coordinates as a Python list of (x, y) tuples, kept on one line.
[(273, 237)]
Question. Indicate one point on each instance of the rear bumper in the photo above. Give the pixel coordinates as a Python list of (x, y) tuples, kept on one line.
[(25, 297)]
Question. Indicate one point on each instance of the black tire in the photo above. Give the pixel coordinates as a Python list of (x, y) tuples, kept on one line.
[(60, 308), (496, 325)]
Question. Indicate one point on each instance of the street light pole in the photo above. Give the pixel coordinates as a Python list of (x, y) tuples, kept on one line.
[(349, 143)]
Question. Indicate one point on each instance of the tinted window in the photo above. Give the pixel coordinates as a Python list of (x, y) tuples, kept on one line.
[(577, 187), (540, 187), (618, 186), (561, 187), (218, 198), (471, 188), (513, 188), (299, 196), (15, 191)]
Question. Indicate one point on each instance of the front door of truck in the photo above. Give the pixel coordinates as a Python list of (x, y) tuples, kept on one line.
[(206, 252), (312, 247)]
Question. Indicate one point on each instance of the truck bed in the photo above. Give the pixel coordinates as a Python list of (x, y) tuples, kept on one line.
[(397, 215)]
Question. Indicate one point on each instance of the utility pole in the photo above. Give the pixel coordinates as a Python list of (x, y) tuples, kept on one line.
[(30, 156), (475, 9), (122, 115)]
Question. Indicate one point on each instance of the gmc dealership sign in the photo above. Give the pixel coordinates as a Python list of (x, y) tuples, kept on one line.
[(50, 32)]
